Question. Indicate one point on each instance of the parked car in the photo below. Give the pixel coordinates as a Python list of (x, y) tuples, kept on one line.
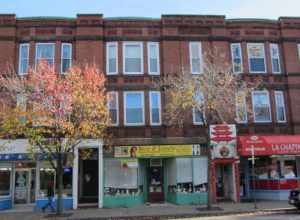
[(294, 198)]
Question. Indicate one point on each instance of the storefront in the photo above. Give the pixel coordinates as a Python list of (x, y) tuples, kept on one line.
[(138, 174), (276, 167)]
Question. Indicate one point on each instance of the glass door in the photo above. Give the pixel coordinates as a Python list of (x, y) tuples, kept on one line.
[(21, 186)]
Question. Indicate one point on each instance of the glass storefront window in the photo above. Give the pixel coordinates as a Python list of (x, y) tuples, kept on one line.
[(184, 176), (5, 181), (121, 177)]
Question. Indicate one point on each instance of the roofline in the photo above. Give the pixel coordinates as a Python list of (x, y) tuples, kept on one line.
[(261, 20)]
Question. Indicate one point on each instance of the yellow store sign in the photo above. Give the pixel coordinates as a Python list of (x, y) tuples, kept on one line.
[(157, 151)]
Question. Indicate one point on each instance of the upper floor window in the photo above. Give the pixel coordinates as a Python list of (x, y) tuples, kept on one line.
[(236, 55), (111, 58), (66, 57), (280, 107), (198, 117), (195, 57), (241, 108), (113, 106), (133, 58), (298, 48), (23, 58), (134, 108), (153, 58), (274, 51), (45, 52), (261, 106), (155, 108), (256, 57)]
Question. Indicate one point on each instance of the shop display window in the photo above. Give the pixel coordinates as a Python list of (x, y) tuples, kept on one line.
[(122, 177), (275, 167), (184, 175), (5, 173)]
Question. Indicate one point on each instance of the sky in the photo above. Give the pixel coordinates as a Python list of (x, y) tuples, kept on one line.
[(271, 9)]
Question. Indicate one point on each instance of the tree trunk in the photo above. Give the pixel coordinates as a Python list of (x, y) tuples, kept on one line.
[(60, 172)]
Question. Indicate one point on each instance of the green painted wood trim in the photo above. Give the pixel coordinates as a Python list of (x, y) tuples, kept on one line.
[(122, 201), (187, 198)]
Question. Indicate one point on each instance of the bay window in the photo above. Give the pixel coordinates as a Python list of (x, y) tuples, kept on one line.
[(112, 58), (280, 108), (155, 107), (153, 58), (195, 53), (274, 51), (45, 52), (261, 106), (113, 106), (133, 58), (66, 57), (256, 57), (236, 56), (23, 58), (134, 108)]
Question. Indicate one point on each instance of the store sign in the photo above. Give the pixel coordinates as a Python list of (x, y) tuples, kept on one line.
[(157, 151), (223, 141), (269, 145)]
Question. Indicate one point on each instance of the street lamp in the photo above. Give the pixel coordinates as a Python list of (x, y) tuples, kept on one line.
[(253, 175)]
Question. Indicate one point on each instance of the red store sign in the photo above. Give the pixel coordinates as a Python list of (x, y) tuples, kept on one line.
[(269, 145)]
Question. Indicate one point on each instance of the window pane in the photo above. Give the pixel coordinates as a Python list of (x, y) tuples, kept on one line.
[(195, 59), (153, 65), (23, 66), (132, 51), (4, 181), (112, 57), (261, 107), (23, 58), (241, 108), (155, 107), (112, 51), (154, 100), (134, 100), (113, 107), (24, 51), (198, 116), (67, 51), (66, 64), (133, 65), (134, 108), (112, 65), (275, 65), (195, 53), (236, 58), (195, 65), (280, 108), (45, 52), (113, 116), (134, 115), (256, 57)]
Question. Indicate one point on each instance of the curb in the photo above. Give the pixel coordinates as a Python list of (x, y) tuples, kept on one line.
[(205, 214)]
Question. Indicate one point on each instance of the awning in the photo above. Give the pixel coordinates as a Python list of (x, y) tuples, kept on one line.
[(269, 145)]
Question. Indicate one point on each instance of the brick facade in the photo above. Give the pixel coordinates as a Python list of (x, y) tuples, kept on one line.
[(89, 33)]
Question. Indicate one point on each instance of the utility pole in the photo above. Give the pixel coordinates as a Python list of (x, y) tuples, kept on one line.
[(253, 176)]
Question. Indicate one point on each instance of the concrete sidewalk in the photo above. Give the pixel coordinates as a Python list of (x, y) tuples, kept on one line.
[(154, 211)]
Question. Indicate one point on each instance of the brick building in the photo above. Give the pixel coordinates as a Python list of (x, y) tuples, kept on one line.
[(172, 162)]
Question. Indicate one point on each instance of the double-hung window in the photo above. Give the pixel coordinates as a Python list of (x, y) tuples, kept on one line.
[(298, 49), (134, 108), (236, 56), (66, 57), (23, 58), (280, 108), (198, 116), (274, 51), (133, 58), (113, 107), (241, 108), (44, 52), (112, 58), (261, 106), (256, 57), (195, 52), (153, 58), (155, 107)]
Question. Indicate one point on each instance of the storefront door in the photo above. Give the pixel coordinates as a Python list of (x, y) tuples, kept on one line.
[(155, 181), (225, 183), (24, 186)]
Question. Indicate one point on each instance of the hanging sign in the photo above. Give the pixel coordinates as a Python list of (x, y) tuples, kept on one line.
[(223, 141), (157, 151)]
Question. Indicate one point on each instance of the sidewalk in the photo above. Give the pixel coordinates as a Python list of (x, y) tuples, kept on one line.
[(154, 211)]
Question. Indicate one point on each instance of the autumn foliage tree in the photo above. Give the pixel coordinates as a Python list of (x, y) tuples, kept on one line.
[(54, 112), (217, 94)]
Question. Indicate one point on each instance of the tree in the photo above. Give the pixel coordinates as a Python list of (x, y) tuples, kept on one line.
[(217, 94), (54, 112)]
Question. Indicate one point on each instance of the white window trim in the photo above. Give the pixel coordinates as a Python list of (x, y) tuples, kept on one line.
[(117, 105), (199, 44), (156, 44), (61, 56), (36, 46), (298, 50), (194, 118), (20, 46), (142, 57), (282, 94), (236, 110), (232, 56), (107, 58), (143, 105), (159, 106), (248, 54), (278, 57), (269, 104)]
